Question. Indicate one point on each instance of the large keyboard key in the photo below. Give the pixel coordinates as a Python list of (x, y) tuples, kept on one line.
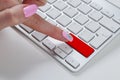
[(81, 46), (109, 24), (102, 36)]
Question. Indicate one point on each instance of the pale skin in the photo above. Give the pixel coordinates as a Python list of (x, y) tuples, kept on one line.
[(11, 13)]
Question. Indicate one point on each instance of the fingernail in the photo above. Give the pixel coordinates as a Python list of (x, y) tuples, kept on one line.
[(67, 36), (30, 10)]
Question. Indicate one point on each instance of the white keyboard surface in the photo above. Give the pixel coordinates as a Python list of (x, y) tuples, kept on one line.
[(91, 25)]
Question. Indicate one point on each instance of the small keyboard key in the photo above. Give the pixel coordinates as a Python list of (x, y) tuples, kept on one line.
[(107, 13), (60, 53), (60, 5), (84, 8), (53, 13), (86, 35), (74, 3), (117, 19), (115, 2), (87, 1), (75, 27), (71, 12), (47, 43), (26, 28), (64, 20), (81, 19), (96, 6), (41, 14), (39, 36), (81, 46), (51, 1), (109, 24), (71, 61), (66, 48), (45, 8), (92, 26), (95, 15)]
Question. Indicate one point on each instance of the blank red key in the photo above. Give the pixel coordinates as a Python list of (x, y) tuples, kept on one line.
[(80, 46)]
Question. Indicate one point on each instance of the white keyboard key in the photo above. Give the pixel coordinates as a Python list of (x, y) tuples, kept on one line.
[(53, 13), (71, 61), (66, 48), (47, 43), (64, 20), (92, 26), (26, 28), (95, 15), (96, 6), (60, 53), (41, 14), (74, 3), (39, 36), (102, 36), (84, 8), (51, 1), (75, 27), (60, 5), (87, 1), (97, 41), (86, 35), (107, 13), (81, 19), (104, 32), (115, 2), (116, 19), (71, 12), (109, 24), (45, 8)]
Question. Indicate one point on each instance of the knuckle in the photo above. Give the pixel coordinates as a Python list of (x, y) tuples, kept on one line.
[(11, 17)]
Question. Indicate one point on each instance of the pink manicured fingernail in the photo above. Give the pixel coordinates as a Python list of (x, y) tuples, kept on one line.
[(30, 10), (67, 36)]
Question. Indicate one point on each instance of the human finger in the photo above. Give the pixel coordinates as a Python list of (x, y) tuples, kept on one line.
[(16, 14), (37, 2), (40, 25)]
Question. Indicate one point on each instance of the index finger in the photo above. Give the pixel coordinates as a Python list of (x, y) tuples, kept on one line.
[(37, 2)]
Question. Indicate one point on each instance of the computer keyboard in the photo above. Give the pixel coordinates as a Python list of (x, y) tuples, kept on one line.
[(90, 25)]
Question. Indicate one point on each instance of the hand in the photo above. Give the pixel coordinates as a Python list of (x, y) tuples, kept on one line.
[(14, 12)]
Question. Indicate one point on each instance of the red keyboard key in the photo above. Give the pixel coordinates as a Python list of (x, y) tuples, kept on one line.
[(80, 46)]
